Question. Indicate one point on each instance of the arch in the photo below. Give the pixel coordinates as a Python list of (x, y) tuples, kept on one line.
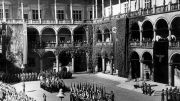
[(171, 56), (47, 27), (79, 34), (135, 32), (175, 69), (135, 65), (33, 64), (148, 20), (147, 33), (175, 29), (106, 35), (162, 28), (48, 60), (33, 38), (48, 37), (64, 27), (99, 35), (64, 35)]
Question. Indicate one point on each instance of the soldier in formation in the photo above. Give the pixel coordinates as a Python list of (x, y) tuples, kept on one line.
[(89, 92), (146, 89), (52, 84), (170, 94), (9, 93)]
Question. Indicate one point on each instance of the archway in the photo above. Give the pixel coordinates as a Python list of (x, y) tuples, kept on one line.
[(99, 65), (147, 34), (135, 65), (48, 37), (175, 25), (33, 63), (49, 61), (99, 36), (107, 35), (148, 66), (79, 35), (65, 60), (33, 38), (64, 35), (175, 67), (80, 62), (135, 35), (162, 29)]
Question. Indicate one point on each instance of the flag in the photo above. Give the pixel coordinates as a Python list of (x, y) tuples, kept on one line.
[(25, 44)]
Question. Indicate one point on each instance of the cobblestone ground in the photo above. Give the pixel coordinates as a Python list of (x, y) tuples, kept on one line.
[(33, 89)]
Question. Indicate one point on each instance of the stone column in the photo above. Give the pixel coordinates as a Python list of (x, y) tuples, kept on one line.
[(71, 11), (111, 61), (39, 11), (103, 36), (4, 13), (154, 30), (57, 41), (103, 64), (170, 74), (87, 34), (40, 39), (93, 10), (152, 74), (141, 69), (102, 8), (96, 4), (55, 12), (87, 60), (169, 36), (141, 37), (119, 6), (72, 60), (22, 11), (72, 37), (57, 62), (41, 64)]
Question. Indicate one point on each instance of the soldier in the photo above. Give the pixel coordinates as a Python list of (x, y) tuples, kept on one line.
[(167, 94), (170, 94), (162, 95), (145, 88)]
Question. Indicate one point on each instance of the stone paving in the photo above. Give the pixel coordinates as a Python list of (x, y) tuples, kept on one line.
[(122, 92)]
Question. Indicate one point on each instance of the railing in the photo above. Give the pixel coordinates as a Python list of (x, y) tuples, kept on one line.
[(135, 43), (175, 44), (104, 43), (174, 6), (147, 44)]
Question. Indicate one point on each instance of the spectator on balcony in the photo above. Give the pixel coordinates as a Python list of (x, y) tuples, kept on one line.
[(107, 39)]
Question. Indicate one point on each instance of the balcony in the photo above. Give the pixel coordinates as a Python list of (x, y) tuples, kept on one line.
[(135, 43), (104, 43), (175, 44), (144, 44)]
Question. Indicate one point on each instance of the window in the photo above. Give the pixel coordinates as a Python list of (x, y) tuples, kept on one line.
[(35, 14), (90, 15), (147, 4), (126, 8), (77, 15), (60, 15), (6, 11)]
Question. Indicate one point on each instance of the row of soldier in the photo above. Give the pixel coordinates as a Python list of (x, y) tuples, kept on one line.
[(52, 84), (27, 76), (146, 89), (9, 78), (9, 93), (89, 92), (171, 94)]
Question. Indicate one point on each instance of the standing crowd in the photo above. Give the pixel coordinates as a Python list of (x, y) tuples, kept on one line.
[(171, 94), (9, 93), (89, 92)]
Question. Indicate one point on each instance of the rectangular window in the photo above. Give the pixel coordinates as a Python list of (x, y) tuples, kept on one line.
[(147, 4), (60, 15), (6, 11), (35, 14), (77, 15), (126, 8), (90, 15)]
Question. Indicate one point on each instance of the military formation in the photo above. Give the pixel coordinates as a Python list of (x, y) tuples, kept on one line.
[(89, 92), (9, 78), (52, 84), (9, 93), (171, 94), (147, 89), (27, 76)]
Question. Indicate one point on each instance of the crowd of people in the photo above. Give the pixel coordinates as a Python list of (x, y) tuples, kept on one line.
[(171, 94), (89, 92), (9, 78), (52, 83), (9, 93), (27, 76)]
